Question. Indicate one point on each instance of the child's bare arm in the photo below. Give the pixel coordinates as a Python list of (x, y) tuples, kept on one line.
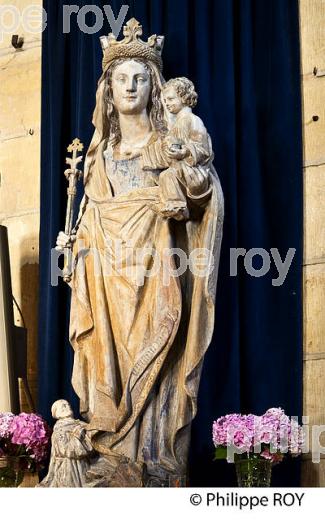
[(198, 143)]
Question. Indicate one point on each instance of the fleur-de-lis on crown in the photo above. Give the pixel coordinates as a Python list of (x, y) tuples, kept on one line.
[(132, 30)]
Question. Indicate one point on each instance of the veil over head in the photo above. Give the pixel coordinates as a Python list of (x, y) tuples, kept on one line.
[(100, 122)]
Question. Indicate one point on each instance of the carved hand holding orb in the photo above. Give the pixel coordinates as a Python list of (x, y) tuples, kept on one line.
[(139, 341)]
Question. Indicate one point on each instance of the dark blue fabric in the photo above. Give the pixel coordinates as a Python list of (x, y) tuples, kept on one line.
[(244, 59)]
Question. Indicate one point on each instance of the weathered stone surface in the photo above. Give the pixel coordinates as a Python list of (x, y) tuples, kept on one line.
[(313, 475), (23, 236), (314, 130), (20, 77), (314, 385), (314, 308), (20, 183), (312, 29), (21, 28), (314, 228), (71, 449), (116, 472), (20, 104), (138, 349)]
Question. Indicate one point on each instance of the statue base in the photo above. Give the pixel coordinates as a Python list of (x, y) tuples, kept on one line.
[(110, 471), (113, 471)]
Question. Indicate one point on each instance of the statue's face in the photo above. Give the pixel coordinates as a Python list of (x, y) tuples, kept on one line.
[(172, 100), (64, 410), (131, 87)]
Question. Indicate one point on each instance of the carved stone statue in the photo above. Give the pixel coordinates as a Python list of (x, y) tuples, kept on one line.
[(184, 152), (71, 449), (146, 246)]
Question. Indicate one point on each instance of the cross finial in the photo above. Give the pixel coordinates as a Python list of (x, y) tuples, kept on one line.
[(75, 146)]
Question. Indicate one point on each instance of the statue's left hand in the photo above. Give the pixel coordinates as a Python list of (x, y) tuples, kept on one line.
[(177, 155)]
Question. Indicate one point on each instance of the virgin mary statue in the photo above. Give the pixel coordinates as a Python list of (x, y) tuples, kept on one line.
[(143, 285)]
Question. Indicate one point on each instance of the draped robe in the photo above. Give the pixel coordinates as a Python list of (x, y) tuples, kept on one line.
[(139, 347), (70, 455)]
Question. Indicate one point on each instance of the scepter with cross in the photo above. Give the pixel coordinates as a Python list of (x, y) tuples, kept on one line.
[(73, 174)]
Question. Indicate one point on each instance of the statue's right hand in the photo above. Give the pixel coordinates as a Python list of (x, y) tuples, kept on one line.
[(64, 240)]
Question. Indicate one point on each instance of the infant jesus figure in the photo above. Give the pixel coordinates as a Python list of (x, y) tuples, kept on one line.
[(184, 151)]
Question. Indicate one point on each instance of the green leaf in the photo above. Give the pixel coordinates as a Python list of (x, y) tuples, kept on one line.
[(220, 453)]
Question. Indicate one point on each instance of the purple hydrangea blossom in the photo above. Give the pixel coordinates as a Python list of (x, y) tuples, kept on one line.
[(31, 431), (24, 435), (270, 435), (283, 434), (5, 423), (235, 429)]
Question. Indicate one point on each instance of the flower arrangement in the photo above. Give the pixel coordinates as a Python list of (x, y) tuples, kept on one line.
[(24, 436), (256, 443), (269, 436)]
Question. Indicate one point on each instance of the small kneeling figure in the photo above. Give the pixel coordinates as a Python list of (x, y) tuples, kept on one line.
[(71, 449)]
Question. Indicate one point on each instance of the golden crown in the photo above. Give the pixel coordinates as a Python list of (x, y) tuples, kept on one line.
[(132, 46)]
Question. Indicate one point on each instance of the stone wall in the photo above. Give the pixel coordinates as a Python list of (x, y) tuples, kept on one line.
[(20, 109), (312, 29)]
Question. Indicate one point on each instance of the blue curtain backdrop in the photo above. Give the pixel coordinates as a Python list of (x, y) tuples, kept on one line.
[(244, 59)]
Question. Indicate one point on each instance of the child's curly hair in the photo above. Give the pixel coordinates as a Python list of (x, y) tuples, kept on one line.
[(185, 89)]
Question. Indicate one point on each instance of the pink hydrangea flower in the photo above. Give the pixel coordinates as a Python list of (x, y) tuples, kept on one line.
[(235, 429), (280, 432), (5, 423), (25, 435), (266, 455), (271, 435), (31, 431)]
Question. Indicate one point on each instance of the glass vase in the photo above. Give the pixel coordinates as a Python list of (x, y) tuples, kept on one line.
[(253, 472), (11, 472)]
